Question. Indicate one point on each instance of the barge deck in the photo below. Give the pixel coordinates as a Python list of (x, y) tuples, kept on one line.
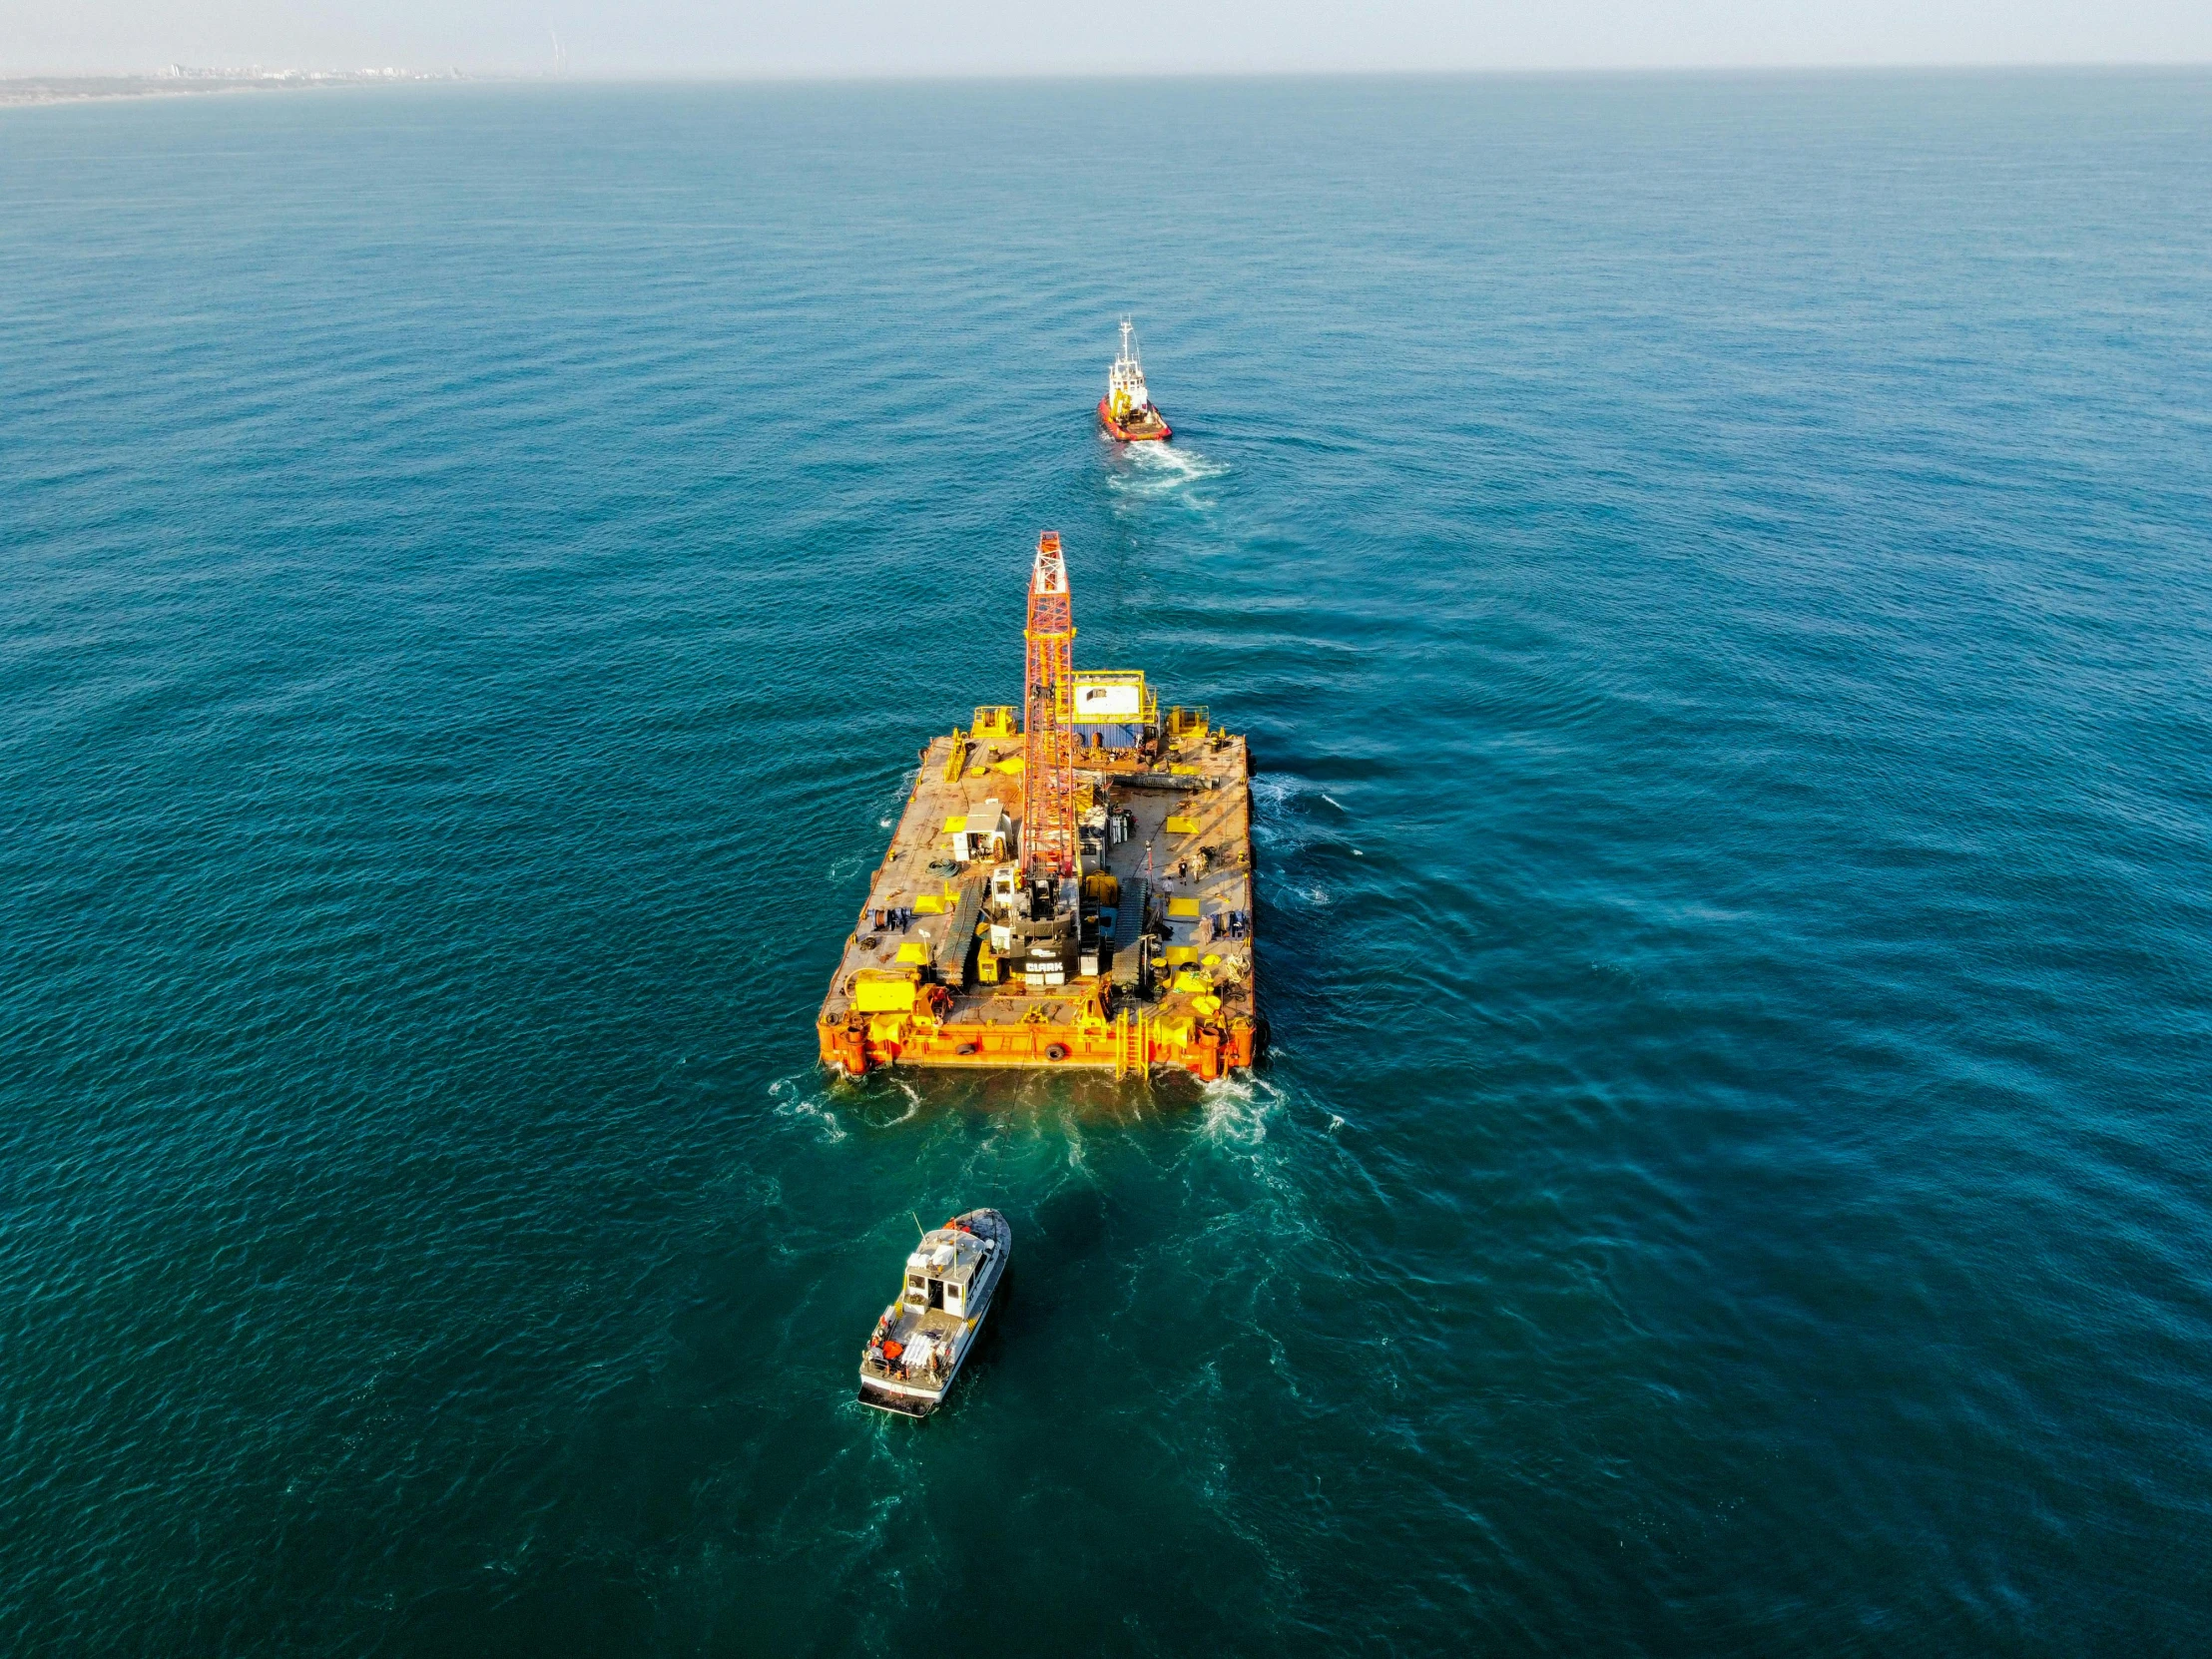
[(1077, 892)]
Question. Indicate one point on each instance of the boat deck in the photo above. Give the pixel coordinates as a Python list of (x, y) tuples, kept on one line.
[(1184, 872), (886, 1386)]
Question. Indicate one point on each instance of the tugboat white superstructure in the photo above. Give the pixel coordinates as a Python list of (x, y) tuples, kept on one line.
[(919, 1343), (1126, 410)]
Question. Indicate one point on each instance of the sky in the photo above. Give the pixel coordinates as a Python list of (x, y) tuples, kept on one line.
[(739, 38)]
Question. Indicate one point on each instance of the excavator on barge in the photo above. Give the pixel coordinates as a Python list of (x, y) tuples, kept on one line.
[(1074, 892)]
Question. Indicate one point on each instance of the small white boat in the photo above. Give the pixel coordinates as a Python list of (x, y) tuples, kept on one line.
[(911, 1361)]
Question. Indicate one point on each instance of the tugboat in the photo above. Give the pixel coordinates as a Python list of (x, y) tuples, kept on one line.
[(915, 1353), (1126, 410)]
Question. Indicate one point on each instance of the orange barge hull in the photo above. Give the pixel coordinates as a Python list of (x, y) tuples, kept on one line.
[(1125, 1049)]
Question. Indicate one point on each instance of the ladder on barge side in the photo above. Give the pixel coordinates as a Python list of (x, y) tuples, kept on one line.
[(1132, 1038)]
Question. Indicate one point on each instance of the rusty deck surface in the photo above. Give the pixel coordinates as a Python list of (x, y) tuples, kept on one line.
[(1183, 870)]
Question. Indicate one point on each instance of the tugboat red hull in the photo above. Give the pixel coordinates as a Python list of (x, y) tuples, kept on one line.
[(1153, 428)]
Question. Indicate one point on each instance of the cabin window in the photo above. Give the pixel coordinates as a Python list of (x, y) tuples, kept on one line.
[(936, 1293), (952, 1294)]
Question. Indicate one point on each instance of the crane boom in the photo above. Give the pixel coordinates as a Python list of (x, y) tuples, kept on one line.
[(1048, 843)]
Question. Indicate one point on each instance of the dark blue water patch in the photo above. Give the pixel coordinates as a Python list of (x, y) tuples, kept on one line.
[(1713, 573)]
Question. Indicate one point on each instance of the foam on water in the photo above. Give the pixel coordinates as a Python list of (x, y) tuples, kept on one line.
[(1154, 474), (802, 1100), (1236, 1110)]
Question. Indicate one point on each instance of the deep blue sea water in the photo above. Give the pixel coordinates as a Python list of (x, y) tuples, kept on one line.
[(1718, 574)]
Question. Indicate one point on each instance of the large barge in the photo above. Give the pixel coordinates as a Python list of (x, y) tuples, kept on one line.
[(1072, 890)]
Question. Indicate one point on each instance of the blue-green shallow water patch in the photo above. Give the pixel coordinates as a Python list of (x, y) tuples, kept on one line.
[(1715, 572)]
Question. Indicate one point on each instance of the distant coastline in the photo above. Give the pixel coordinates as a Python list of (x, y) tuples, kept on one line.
[(178, 81)]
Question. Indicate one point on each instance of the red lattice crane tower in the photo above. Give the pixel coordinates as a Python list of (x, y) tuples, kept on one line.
[(1048, 843)]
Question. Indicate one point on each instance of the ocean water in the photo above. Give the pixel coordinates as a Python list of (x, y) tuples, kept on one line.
[(1718, 574)]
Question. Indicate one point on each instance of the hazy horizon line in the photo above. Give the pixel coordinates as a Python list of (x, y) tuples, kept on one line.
[(771, 75)]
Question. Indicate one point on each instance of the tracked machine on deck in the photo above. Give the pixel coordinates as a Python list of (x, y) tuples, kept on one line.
[(1074, 892)]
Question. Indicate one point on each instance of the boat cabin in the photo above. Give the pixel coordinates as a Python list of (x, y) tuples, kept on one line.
[(942, 1272)]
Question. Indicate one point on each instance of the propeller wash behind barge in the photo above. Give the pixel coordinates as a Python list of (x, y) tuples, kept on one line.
[(1077, 893)]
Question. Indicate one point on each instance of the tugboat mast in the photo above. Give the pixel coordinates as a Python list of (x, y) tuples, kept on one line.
[(1125, 388)]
